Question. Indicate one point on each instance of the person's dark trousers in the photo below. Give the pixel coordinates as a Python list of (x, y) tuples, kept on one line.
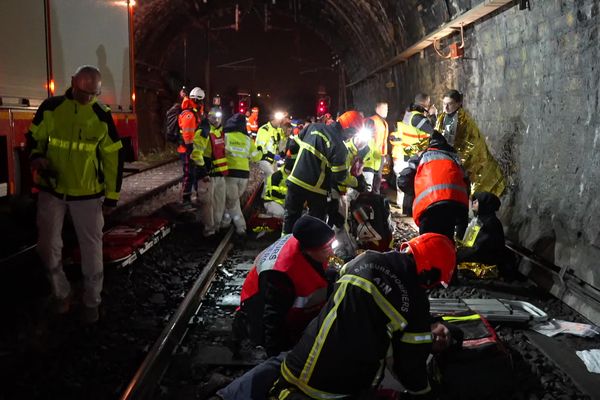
[(407, 203), (256, 383), (377, 178), (334, 218), (189, 174), (445, 218), (294, 205)]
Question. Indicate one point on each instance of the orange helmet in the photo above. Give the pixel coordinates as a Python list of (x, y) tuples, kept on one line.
[(351, 119), (435, 257)]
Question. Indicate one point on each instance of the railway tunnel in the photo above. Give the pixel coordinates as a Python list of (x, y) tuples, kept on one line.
[(527, 71)]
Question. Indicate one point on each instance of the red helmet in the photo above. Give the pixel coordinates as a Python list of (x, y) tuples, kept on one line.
[(351, 119), (435, 257)]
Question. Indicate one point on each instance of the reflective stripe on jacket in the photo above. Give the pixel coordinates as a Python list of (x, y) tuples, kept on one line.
[(82, 145), (239, 151), (321, 160), (268, 139), (381, 134), (415, 130), (439, 177), (377, 303), (276, 187), (310, 287)]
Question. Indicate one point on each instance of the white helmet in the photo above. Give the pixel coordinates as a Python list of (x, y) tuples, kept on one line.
[(197, 94)]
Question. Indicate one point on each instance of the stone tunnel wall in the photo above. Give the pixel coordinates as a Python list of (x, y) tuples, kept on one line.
[(531, 81)]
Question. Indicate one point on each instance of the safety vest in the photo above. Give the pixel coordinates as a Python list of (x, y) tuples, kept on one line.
[(414, 139), (373, 158), (381, 134), (239, 150), (396, 143), (217, 149), (439, 177), (267, 140), (275, 186), (82, 145), (252, 123), (310, 287), (189, 120), (322, 155)]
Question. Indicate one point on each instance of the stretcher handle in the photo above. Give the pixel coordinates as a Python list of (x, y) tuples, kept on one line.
[(536, 313)]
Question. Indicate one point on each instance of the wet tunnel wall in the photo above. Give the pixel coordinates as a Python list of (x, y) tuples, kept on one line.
[(530, 80)]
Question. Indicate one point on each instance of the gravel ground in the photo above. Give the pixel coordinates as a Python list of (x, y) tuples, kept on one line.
[(44, 356)]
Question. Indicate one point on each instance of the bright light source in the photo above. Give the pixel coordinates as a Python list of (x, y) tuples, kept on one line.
[(257, 94), (335, 244), (131, 3), (133, 97), (51, 86), (279, 115), (364, 134), (321, 109), (218, 114)]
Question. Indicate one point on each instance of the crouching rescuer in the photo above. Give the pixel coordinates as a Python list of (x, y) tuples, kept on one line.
[(286, 287), (380, 300)]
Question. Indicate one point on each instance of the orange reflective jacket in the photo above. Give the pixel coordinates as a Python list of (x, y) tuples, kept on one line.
[(439, 177)]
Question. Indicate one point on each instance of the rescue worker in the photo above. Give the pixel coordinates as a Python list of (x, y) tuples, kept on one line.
[(76, 156), (320, 165), (380, 300), (461, 132), (252, 123), (211, 162), (276, 189), (416, 128), (239, 151), (441, 189), (268, 140), (189, 122), (373, 169), (286, 287)]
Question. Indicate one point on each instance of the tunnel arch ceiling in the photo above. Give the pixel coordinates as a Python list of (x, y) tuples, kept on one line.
[(363, 33)]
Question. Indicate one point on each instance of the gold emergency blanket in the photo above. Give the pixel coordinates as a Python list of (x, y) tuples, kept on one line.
[(482, 167), (481, 271)]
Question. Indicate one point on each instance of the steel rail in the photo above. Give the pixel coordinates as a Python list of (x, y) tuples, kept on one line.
[(155, 364)]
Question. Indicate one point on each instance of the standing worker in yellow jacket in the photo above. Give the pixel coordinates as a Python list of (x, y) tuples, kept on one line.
[(76, 154), (211, 162), (268, 140), (239, 150), (374, 165), (461, 132)]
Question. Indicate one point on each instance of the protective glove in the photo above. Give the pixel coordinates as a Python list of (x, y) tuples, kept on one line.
[(201, 172), (277, 157), (362, 184)]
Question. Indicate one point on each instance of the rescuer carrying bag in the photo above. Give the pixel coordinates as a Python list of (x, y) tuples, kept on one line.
[(478, 366), (172, 123)]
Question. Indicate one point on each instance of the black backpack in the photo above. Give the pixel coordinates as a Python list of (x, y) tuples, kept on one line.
[(172, 123), (370, 222)]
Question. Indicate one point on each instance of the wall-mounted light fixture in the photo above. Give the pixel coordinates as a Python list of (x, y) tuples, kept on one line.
[(456, 50)]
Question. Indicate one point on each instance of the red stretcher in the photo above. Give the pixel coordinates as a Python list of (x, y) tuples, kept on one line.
[(124, 243)]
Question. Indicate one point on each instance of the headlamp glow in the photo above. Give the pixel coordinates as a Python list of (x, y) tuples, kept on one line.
[(279, 115), (364, 134), (218, 114)]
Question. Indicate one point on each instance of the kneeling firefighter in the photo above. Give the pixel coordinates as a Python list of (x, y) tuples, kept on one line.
[(286, 287), (380, 300)]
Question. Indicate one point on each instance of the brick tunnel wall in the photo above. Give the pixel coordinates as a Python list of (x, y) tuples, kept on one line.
[(531, 82)]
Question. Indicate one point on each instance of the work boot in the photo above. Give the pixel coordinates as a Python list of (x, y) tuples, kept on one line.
[(89, 315)]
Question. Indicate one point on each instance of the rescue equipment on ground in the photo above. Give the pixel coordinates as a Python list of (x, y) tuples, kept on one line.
[(479, 366), (370, 222), (122, 244)]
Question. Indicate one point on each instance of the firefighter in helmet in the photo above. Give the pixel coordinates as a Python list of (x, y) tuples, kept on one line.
[(320, 165), (380, 301), (189, 123)]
